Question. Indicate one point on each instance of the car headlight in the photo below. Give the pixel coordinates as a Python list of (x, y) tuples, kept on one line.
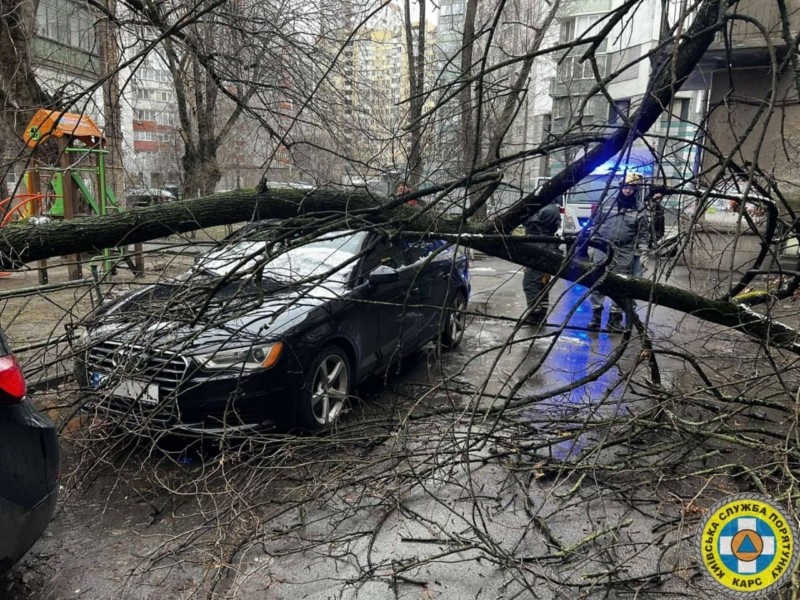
[(248, 358)]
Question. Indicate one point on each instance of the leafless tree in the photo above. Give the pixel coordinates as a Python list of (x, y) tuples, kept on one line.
[(544, 462)]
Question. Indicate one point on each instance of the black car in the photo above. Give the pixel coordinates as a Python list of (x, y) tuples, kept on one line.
[(262, 333), (29, 465)]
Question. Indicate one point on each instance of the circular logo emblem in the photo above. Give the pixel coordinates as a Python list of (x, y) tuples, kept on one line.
[(748, 544)]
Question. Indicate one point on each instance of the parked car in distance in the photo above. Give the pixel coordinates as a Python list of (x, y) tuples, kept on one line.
[(29, 465), (138, 197), (260, 333)]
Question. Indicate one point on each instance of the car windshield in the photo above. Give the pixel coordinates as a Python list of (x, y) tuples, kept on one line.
[(315, 258)]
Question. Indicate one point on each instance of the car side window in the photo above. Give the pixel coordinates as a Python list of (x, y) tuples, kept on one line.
[(419, 250), (389, 253)]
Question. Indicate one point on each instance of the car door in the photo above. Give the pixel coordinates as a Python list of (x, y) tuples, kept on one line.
[(392, 308), (432, 266)]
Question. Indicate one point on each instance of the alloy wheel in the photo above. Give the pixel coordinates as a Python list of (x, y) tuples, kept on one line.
[(455, 323), (330, 387)]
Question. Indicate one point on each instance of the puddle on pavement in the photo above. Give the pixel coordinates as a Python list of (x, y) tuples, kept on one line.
[(533, 366)]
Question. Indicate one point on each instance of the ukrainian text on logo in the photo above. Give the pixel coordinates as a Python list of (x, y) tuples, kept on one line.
[(747, 543)]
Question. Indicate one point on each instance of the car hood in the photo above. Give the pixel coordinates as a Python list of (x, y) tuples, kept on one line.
[(193, 317)]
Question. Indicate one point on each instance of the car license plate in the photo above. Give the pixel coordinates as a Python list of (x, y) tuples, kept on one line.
[(146, 393)]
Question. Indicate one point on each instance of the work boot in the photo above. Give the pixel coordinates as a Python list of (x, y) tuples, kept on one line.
[(536, 318), (615, 322), (597, 317)]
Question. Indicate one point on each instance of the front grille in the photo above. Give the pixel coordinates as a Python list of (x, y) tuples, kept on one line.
[(167, 369), (181, 400)]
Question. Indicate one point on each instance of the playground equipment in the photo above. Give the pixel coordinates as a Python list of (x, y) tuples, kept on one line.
[(76, 187)]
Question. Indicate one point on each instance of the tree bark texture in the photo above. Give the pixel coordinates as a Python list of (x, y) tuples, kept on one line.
[(23, 243), (416, 84), (468, 133)]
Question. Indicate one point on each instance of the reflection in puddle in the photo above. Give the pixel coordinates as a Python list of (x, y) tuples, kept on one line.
[(566, 418)]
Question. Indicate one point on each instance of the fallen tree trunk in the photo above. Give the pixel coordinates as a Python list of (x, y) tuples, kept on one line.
[(28, 242), (25, 243)]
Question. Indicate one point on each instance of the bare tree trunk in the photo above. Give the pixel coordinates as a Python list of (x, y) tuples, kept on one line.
[(196, 97), (20, 94), (468, 125), (200, 169), (416, 76), (107, 34)]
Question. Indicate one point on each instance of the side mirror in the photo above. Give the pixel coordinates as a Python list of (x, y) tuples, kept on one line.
[(382, 275)]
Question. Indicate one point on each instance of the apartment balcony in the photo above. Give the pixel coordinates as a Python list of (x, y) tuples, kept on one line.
[(747, 45), (572, 87), (63, 58)]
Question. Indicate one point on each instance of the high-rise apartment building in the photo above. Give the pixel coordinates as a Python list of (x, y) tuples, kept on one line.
[(152, 146), (377, 88)]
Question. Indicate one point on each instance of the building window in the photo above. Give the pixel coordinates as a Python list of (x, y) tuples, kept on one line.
[(160, 75), (576, 27), (619, 110), (145, 115), (572, 69), (157, 95), (680, 109), (561, 108), (580, 27), (153, 136)]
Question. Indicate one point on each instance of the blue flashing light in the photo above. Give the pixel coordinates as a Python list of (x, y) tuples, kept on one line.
[(583, 221), (611, 166)]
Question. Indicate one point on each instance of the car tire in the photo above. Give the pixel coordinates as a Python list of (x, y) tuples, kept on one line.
[(325, 395), (454, 322)]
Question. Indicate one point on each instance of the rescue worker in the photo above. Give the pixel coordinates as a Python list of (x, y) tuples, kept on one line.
[(620, 221), (545, 221)]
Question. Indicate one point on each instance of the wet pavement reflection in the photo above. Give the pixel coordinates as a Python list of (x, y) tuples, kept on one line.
[(537, 371)]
